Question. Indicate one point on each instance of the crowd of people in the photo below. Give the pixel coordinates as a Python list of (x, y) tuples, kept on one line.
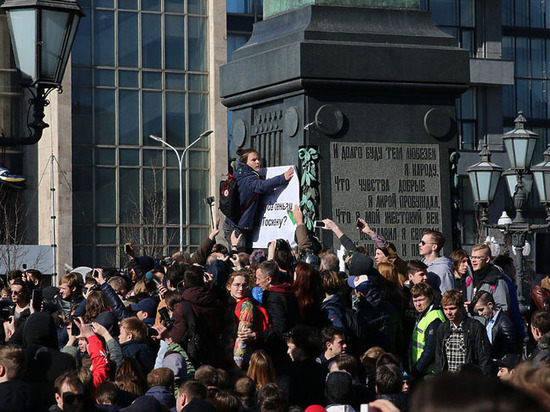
[(234, 329), (287, 330)]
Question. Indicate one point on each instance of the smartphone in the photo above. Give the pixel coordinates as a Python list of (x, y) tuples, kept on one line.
[(95, 274), (319, 223), (37, 299), (157, 281), (127, 249), (364, 407), (75, 330), (360, 225)]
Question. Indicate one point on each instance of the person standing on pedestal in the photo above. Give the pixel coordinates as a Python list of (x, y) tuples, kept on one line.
[(252, 182)]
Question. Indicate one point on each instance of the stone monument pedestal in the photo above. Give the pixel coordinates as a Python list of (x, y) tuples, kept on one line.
[(363, 100)]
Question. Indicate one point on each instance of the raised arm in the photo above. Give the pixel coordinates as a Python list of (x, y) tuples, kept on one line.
[(344, 239), (302, 237), (378, 240)]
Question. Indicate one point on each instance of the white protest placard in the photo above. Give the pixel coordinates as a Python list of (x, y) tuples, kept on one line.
[(276, 222)]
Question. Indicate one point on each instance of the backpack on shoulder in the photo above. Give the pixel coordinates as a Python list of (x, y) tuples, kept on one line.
[(230, 199)]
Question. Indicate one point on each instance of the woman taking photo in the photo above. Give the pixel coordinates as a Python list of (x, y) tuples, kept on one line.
[(252, 183)]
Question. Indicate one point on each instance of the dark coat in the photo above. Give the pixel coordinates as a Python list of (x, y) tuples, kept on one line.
[(303, 382), (251, 185), (64, 306), (208, 313), (503, 336), (198, 405), (115, 302), (205, 306), (377, 316), (141, 352), (477, 345), (144, 403), (333, 311), (163, 395), (400, 400), (44, 362), (107, 408), (16, 396), (541, 353), (282, 307)]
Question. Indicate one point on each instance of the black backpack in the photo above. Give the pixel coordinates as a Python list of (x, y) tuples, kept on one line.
[(230, 200)]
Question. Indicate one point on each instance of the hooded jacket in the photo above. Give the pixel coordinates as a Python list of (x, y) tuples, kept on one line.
[(440, 272), (208, 319), (45, 362), (490, 279), (251, 185)]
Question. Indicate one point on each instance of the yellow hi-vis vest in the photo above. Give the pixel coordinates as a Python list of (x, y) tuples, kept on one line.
[(419, 335)]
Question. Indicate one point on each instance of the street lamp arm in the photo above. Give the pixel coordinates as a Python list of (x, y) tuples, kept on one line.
[(38, 101), (164, 142), (541, 226), (517, 228), (191, 145), (203, 134)]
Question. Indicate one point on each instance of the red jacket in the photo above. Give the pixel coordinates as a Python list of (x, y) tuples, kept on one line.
[(100, 360)]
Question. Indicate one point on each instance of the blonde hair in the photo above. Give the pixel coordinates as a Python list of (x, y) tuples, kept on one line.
[(136, 327)]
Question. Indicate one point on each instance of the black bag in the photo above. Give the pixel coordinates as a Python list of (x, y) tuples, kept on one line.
[(230, 202), (192, 341)]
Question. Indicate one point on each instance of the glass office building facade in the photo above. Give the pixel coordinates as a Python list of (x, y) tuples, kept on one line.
[(139, 67)]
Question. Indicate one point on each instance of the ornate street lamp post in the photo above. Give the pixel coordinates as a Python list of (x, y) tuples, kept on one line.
[(42, 34), (520, 145)]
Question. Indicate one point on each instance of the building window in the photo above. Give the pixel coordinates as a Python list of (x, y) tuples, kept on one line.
[(240, 6), (466, 114), (526, 13), (455, 17), (145, 72), (530, 92)]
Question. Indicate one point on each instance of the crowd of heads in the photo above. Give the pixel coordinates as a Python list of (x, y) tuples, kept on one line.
[(279, 330)]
